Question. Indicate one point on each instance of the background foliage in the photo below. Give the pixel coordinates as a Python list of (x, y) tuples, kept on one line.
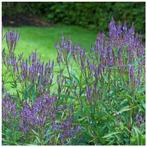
[(90, 15)]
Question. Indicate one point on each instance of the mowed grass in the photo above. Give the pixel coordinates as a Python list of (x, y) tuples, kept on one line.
[(43, 39)]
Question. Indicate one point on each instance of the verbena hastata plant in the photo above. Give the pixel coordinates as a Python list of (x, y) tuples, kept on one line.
[(95, 97), (37, 114)]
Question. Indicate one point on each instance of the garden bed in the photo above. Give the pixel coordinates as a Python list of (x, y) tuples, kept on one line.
[(21, 20), (100, 102)]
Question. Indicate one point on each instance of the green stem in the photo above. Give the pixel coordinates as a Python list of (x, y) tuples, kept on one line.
[(80, 92), (67, 68)]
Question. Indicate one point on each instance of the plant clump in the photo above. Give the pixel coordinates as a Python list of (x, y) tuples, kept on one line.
[(94, 97)]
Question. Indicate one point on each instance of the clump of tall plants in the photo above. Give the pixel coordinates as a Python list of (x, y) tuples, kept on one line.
[(94, 97)]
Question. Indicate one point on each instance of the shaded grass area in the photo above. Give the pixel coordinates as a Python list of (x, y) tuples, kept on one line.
[(43, 39)]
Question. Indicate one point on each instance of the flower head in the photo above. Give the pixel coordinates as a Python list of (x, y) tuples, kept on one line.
[(11, 40)]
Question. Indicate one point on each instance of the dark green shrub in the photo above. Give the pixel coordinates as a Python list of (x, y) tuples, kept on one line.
[(88, 14)]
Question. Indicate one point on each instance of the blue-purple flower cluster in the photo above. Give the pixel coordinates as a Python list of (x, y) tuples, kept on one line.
[(9, 112), (11, 39), (121, 50), (31, 70), (38, 113), (67, 129)]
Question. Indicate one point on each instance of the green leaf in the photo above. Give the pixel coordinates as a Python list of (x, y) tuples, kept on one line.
[(127, 108), (110, 135)]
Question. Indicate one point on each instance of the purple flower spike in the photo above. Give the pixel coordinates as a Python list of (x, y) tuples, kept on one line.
[(8, 109), (131, 73), (120, 59), (112, 29), (11, 39), (88, 93), (88, 62), (24, 68), (99, 43), (139, 75), (110, 58)]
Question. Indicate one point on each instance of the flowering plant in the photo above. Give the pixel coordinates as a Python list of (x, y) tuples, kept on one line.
[(96, 96)]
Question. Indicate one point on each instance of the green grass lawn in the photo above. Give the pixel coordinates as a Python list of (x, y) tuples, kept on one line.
[(43, 39)]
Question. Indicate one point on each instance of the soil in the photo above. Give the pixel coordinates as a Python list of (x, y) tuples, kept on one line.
[(21, 20)]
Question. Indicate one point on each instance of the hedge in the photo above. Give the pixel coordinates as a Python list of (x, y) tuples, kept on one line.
[(87, 14)]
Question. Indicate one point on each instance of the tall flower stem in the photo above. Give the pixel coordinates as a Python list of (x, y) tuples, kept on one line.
[(80, 92), (66, 62)]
